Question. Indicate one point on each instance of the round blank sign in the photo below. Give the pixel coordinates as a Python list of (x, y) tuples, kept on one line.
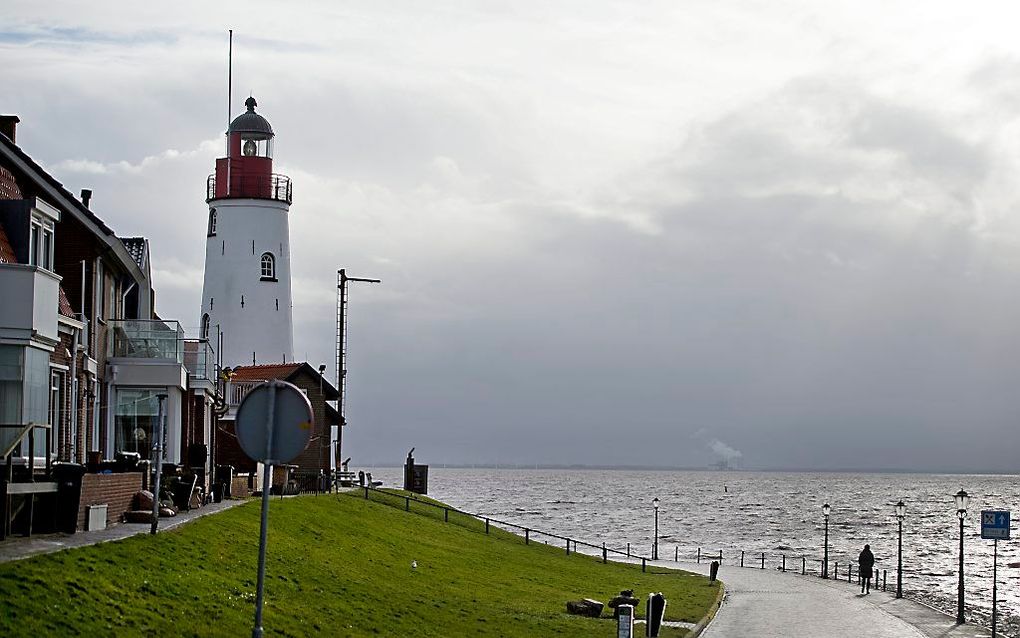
[(291, 427)]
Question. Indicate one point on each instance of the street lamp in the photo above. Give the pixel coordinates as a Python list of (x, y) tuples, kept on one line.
[(825, 558), (901, 510), (655, 541), (961, 512)]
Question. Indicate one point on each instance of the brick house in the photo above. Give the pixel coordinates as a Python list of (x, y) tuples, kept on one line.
[(317, 459), (86, 364)]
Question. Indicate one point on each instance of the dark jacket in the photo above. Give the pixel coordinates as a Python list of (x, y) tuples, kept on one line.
[(867, 561)]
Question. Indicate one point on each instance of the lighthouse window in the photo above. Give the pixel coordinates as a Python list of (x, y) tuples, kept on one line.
[(212, 222), (205, 326), (252, 147), (268, 267)]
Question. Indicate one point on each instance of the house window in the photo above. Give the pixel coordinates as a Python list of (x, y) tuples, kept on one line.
[(56, 405), (40, 249), (268, 267), (135, 419), (205, 326), (212, 222)]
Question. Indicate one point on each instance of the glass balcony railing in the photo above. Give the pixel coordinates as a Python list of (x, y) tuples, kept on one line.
[(199, 359), (146, 339)]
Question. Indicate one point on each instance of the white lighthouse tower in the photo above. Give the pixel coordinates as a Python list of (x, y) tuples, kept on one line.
[(246, 293)]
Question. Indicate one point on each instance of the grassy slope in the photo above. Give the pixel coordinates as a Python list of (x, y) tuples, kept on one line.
[(337, 566)]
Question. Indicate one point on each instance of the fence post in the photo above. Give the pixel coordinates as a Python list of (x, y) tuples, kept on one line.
[(803, 565), (885, 573), (784, 563), (628, 550), (849, 572), (835, 571), (407, 504), (642, 564), (527, 536), (720, 557), (366, 492), (603, 553), (741, 558), (699, 555), (568, 547), (676, 554), (486, 526), (763, 560), (446, 514)]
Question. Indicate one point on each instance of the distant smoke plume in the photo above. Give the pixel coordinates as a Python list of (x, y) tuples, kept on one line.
[(723, 450)]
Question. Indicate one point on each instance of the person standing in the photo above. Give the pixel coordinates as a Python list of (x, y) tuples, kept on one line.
[(866, 561)]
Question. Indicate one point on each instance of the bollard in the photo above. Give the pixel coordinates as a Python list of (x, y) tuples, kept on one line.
[(885, 573), (568, 547), (366, 492), (628, 550), (835, 572), (486, 526), (720, 557), (784, 563), (527, 536), (407, 504), (763, 560), (741, 558), (642, 564), (713, 571), (699, 555), (676, 554), (850, 573), (446, 514), (603, 553), (803, 566)]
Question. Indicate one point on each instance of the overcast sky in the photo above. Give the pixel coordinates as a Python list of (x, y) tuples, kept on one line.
[(609, 232)]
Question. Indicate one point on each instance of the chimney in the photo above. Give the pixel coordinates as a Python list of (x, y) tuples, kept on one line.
[(9, 125), (86, 195)]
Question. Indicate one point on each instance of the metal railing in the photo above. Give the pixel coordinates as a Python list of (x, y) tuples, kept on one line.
[(199, 359), (12, 443), (529, 534), (146, 339), (276, 187)]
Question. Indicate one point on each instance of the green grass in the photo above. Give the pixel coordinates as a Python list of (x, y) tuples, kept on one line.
[(337, 566)]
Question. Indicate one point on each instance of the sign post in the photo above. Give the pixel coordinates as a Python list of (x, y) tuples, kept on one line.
[(995, 526), (273, 425)]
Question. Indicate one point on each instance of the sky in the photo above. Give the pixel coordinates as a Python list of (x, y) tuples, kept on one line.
[(785, 234)]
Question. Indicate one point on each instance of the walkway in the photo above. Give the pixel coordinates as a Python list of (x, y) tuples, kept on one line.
[(767, 603), (16, 548)]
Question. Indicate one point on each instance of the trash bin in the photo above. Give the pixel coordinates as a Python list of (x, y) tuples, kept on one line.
[(656, 610), (713, 571), (224, 478), (68, 477)]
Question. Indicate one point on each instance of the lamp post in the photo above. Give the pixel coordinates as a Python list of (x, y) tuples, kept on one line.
[(825, 557), (961, 513), (655, 540), (901, 509)]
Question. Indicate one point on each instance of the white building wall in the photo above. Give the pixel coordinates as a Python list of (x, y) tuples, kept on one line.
[(261, 326)]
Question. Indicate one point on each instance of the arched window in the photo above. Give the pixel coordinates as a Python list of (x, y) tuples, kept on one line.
[(205, 326), (268, 267), (212, 222)]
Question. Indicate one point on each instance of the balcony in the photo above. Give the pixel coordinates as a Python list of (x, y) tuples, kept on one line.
[(200, 359), (276, 187), (30, 310), (146, 339)]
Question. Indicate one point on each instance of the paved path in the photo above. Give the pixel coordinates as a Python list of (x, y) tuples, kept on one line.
[(767, 603), (16, 547)]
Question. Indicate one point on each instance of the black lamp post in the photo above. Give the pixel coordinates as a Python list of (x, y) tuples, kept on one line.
[(655, 540), (825, 557), (961, 512), (901, 509)]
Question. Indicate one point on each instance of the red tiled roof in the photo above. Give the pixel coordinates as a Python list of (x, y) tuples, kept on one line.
[(7, 255), (265, 372), (64, 305), (9, 188)]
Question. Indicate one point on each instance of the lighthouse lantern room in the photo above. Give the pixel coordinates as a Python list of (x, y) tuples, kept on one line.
[(246, 295)]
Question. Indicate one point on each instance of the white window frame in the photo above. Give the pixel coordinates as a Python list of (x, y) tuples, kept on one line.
[(270, 273)]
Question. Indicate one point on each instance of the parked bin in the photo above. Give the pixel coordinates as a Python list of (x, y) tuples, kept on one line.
[(68, 477)]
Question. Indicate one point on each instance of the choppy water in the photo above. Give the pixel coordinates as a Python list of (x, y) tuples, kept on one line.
[(772, 512)]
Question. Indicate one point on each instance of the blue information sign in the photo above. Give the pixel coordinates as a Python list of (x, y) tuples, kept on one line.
[(995, 524)]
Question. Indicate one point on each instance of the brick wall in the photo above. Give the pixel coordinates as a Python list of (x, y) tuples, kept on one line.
[(116, 490)]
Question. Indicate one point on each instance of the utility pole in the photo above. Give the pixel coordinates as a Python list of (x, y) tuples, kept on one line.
[(341, 352)]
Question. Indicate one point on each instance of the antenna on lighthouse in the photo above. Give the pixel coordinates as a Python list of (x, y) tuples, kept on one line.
[(230, 86)]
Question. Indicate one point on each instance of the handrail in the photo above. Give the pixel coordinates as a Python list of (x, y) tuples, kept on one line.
[(29, 431)]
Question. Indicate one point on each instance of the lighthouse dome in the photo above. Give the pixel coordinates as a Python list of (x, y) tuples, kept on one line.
[(251, 123)]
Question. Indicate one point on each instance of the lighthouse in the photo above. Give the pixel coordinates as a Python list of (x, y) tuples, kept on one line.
[(246, 295)]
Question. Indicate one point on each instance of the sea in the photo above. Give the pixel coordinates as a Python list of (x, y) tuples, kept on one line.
[(778, 513)]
